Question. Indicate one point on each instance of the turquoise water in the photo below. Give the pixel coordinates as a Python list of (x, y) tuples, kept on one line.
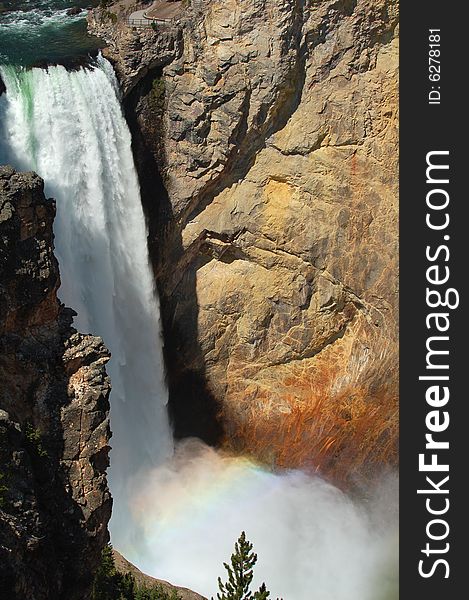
[(39, 32)]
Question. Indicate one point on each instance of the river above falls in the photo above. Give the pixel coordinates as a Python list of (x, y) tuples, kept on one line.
[(40, 32)]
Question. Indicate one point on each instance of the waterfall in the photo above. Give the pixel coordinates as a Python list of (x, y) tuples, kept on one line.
[(69, 127), (176, 515)]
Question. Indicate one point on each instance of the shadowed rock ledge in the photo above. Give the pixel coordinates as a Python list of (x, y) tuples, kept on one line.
[(54, 427)]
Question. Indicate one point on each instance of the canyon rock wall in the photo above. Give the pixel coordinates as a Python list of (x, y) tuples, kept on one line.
[(54, 427), (269, 166)]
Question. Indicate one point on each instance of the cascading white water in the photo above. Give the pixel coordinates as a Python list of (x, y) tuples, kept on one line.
[(69, 127), (175, 516)]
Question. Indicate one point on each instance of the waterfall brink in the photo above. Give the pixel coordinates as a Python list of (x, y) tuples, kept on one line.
[(69, 127)]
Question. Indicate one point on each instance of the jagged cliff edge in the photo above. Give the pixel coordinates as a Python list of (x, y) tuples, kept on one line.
[(54, 426)]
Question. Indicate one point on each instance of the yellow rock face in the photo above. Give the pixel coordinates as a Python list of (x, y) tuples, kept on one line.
[(278, 260)]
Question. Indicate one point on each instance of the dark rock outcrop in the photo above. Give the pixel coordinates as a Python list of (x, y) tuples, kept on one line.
[(75, 10), (54, 427)]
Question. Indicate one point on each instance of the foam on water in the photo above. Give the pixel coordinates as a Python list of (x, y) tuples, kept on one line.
[(41, 31)]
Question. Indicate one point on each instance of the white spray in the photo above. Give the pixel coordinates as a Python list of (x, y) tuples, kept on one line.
[(174, 516)]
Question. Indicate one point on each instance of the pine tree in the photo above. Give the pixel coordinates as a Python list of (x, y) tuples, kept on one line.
[(262, 593), (240, 574)]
